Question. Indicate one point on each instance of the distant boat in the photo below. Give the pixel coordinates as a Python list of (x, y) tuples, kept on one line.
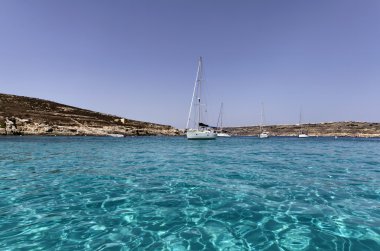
[(223, 134), (302, 134), (263, 133), (220, 132), (200, 129), (116, 135)]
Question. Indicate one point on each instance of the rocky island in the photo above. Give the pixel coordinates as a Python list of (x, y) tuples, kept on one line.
[(329, 129), (32, 116)]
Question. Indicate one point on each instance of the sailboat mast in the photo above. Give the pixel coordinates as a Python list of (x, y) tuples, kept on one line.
[(199, 90), (221, 116), (300, 122), (192, 99), (262, 116)]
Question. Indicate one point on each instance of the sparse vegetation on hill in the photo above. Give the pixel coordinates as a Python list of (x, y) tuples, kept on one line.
[(33, 116), (340, 129)]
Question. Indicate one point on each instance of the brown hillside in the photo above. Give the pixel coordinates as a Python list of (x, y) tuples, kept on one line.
[(30, 116), (339, 129)]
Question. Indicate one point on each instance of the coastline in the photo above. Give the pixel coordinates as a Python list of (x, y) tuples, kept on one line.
[(350, 129), (29, 127), (331, 129), (32, 116)]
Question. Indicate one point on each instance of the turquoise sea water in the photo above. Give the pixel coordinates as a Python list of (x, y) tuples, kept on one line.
[(163, 193)]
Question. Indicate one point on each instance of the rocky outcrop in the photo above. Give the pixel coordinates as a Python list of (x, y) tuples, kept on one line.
[(30, 116), (10, 126), (331, 129)]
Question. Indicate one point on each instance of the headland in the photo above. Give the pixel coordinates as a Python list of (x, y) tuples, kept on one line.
[(21, 115)]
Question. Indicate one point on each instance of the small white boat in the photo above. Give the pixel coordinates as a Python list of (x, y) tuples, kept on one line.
[(303, 135), (220, 132), (200, 129), (116, 135), (263, 135)]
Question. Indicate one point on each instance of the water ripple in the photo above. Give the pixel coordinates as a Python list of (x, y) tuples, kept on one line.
[(162, 193)]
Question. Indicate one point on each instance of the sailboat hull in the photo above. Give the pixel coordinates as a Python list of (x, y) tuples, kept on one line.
[(200, 135)]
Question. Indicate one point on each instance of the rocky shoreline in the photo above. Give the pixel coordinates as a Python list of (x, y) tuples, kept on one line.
[(31, 116), (330, 129)]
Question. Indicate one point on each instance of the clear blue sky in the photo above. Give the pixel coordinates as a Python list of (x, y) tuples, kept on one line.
[(138, 58)]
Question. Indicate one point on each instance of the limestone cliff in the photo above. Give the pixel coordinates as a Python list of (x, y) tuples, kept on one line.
[(32, 116)]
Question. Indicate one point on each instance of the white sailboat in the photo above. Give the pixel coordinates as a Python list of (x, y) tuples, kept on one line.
[(200, 129), (220, 132), (263, 134), (302, 134)]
